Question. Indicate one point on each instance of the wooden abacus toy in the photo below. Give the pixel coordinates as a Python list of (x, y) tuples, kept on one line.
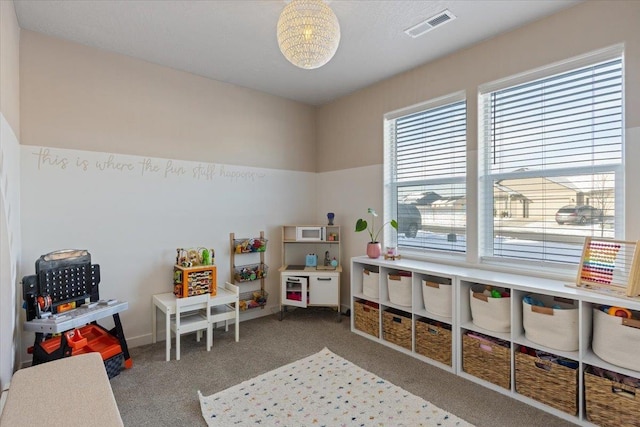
[(610, 266)]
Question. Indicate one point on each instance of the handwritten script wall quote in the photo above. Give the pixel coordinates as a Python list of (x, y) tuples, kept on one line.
[(145, 166)]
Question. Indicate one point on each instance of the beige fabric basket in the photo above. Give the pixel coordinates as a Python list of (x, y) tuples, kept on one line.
[(616, 339), (399, 289), (437, 298), (550, 327), (371, 284), (492, 314)]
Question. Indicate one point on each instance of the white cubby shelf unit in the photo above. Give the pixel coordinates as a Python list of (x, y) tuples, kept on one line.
[(462, 280)]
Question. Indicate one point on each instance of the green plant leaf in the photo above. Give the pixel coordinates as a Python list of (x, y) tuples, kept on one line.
[(361, 225), (394, 224)]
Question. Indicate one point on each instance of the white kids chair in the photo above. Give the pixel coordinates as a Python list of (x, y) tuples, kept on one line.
[(190, 317)]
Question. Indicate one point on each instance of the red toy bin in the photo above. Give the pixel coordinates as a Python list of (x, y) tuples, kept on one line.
[(88, 339), (98, 340)]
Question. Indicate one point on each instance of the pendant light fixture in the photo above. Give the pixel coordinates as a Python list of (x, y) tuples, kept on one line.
[(308, 33)]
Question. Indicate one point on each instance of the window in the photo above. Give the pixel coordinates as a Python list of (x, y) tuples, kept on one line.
[(551, 164), (425, 166)]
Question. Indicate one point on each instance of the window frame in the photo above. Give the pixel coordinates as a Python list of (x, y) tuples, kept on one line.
[(390, 187), (486, 178)]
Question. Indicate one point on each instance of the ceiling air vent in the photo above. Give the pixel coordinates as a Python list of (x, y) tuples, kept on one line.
[(430, 23)]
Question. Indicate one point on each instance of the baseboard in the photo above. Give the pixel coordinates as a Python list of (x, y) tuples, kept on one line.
[(254, 313), (3, 399)]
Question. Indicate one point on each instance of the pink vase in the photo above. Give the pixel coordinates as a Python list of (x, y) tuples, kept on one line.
[(374, 250)]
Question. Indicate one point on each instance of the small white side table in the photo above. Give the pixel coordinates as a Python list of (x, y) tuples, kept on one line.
[(166, 303)]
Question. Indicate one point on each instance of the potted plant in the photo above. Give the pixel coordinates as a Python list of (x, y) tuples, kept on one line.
[(373, 247)]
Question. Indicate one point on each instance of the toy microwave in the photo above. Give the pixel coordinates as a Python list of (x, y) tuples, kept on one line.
[(310, 234)]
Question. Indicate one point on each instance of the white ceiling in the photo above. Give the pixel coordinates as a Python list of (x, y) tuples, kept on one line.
[(234, 41)]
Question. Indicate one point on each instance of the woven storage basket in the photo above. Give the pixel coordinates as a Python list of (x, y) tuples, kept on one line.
[(433, 342), (611, 404), (616, 339), (367, 318), (555, 328), (399, 289), (556, 387), (492, 314), (488, 361), (371, 284), (396, 328), (437, 298)]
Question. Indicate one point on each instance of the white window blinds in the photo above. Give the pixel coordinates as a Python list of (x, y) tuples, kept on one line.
[(551, 165), (426, 158)]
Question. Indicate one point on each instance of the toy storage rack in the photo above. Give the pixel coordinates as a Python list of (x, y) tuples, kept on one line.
[(54, 301), (254, 256)]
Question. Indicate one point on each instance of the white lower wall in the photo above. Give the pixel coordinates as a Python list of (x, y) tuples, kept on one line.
[(10, 244), (132, 212), (348, 193)]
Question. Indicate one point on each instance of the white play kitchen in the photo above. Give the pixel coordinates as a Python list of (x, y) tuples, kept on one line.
[(565, 349), (310, 274)]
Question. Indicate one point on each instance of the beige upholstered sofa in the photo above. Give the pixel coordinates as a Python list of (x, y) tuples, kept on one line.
[(73, 391)]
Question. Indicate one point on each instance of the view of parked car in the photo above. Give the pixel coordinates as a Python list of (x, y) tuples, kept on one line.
[(409, 220), (583, 214)]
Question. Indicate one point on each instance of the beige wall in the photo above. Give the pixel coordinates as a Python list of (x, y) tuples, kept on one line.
[(352, 126), (78, 97), (9, 70)]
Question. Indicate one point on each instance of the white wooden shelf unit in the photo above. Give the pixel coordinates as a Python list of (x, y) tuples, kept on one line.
[(462, 279)]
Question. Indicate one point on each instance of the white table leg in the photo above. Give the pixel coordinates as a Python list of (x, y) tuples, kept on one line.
[(237, 321), (177, 345), (167, 317), (153, 324)]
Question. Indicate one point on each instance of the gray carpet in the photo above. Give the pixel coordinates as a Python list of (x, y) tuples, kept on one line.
[(159, 393)]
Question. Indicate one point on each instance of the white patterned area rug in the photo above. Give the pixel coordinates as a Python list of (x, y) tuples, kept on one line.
[(321, 390)]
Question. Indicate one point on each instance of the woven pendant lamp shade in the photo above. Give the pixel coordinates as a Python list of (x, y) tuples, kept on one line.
[(308, 33)]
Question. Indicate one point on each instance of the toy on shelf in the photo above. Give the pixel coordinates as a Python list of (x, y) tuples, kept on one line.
[(253, 299), (246, 273), (194, 257), (243, 246), (392, 253), (493, 292), (192, 281), (610, 266)]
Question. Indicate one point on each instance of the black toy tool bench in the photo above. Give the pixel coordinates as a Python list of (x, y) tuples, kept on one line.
[(63, 306)]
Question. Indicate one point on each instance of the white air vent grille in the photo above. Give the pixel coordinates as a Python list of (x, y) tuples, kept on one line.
[(430, 23)]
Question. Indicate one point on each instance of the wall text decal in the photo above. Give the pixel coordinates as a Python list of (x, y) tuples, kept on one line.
[(48, 158)]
